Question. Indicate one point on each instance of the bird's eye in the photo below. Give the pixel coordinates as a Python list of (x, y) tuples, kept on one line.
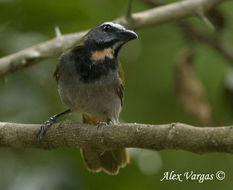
[(107, 27)]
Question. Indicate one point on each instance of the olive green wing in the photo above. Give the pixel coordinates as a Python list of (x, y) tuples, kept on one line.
[(120, 88)]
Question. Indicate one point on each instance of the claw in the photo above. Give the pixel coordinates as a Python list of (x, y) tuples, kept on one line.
[(45, 126), (101, 123), (49, 122)]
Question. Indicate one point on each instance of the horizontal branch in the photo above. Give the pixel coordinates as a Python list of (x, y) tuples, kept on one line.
[(176, 136), (56, 46), (167, 13)]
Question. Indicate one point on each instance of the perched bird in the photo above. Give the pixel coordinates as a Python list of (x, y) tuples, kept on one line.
[(90, 81)]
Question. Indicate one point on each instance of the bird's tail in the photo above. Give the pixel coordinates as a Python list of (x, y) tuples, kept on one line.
[(108, 161)]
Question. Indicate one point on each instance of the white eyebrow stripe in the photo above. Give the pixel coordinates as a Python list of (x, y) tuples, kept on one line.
[(115, 25)]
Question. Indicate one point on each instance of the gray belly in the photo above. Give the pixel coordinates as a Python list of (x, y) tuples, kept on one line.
[(97, 98)]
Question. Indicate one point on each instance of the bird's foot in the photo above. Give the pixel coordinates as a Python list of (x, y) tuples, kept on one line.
[(101, 124), (45, 126)]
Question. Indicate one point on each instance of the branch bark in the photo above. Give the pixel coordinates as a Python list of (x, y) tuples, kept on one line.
[(176, 136), (56, 46), (218, 44), (215, 42)]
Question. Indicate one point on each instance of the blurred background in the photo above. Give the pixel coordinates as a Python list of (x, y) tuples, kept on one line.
[(171, 76)]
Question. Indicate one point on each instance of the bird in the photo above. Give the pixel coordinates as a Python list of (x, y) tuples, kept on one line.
[(90, 81)]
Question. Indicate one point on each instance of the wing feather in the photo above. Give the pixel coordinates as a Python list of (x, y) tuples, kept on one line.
[(120, 88)]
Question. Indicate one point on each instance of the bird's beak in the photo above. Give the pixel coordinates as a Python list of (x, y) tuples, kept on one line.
[(127, 35)]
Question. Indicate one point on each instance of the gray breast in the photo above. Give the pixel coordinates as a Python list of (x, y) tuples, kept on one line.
[(98, 98)]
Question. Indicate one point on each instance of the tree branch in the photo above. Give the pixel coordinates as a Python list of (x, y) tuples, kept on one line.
[(56, 46), (176, 136), (215, 42), (39, 52), (218, 44)]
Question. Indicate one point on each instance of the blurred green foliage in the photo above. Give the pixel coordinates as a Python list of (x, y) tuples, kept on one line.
[(30, 96)]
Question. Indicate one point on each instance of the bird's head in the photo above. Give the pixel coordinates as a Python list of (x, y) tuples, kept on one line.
[(108, 36)]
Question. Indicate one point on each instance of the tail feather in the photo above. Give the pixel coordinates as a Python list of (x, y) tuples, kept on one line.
[(89, 157), (121, 156), (108, 161)]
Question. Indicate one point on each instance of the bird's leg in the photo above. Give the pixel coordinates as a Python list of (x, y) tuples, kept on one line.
[(49, 122)]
